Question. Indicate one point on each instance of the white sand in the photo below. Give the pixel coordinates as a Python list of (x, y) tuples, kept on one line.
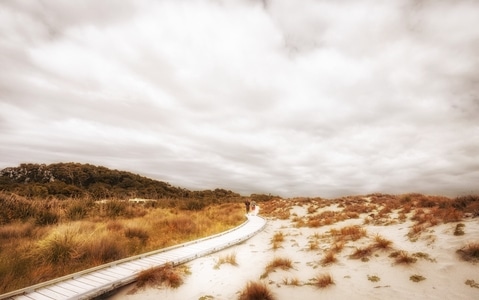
[(445, 274)]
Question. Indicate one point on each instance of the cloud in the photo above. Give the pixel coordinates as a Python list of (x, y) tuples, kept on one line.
[(320, 98)]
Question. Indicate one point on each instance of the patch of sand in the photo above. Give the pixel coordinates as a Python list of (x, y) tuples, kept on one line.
[(445, 274)]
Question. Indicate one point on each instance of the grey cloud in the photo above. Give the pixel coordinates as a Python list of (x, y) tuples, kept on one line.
[(320, 98)]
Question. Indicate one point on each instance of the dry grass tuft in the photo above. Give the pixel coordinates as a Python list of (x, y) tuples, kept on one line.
[(337, 246), (256, 291), (403, 257), (349, 233), (227, 259), (459, 229), (470, 252), (417, 278), (291, 281), (472, 283), (277, 240), (361, 253), (165, 275), (382, 243), (323, 280), (328, 258), (278, 262)]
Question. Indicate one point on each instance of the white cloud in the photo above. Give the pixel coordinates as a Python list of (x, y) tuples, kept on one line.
[(314, 98)]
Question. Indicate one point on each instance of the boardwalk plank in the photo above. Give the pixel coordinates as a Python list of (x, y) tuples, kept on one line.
[(51, 294), (62, 291)]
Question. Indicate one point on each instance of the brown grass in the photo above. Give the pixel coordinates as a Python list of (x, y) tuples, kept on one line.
[(277, 263), (256, 291), (361, 253), (323, 280), (277, 240), (459, 229), (470, 252), (337, 246), (227, 259), (99, 234), (328, 258), (349, 233), (166, 275), (403, 257), (382, 243), (292, 281)]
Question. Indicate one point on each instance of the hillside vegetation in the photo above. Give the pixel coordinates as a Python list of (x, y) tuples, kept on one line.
[(75, 180)]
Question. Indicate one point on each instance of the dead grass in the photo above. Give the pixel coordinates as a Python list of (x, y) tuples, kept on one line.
[(417, 278), (328, 258), (227, 259), (361, 253), (352, 233), (337, 246), (166, 275), (382, 243), (403, 257), (256, 291), (291, 281), (459, 229), (277, 240), (277, 263), (470, 252), (323, 280), (103, 235)]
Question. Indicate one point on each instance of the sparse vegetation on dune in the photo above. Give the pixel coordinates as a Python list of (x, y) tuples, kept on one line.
[(62, 236)]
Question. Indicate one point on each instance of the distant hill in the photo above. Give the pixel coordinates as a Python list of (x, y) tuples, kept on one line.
[(75, 180)]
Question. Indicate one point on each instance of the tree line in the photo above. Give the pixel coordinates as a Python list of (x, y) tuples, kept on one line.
[(76, 180)]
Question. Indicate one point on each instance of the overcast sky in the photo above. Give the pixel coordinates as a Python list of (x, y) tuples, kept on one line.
[(294, 98)]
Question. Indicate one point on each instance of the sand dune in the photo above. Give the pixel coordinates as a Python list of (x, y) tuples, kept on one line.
[(438, 270)]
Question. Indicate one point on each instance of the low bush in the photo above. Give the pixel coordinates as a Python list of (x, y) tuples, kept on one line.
[(381, 243), (166, 275), (470, 252), (403, 257), (256, 291), (227, 259), (459, 229), (278, 262), (361, 253), (329, 258), (323, 280)]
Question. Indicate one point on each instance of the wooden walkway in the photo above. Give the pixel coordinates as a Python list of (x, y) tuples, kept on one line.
[(102, 279)]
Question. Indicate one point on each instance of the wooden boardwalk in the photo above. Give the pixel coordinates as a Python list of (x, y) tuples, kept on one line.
[(102, 279)]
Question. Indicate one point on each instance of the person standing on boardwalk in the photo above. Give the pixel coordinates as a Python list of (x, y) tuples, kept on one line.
[(247, 203), (253, 206)]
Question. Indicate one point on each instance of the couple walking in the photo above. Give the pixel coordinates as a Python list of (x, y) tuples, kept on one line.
[(251, 208)]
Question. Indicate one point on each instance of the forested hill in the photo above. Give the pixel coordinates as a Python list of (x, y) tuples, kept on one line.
[(75, 180)]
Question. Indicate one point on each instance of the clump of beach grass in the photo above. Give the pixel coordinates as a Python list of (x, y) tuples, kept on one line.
[(227, 259), (256, 291)]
